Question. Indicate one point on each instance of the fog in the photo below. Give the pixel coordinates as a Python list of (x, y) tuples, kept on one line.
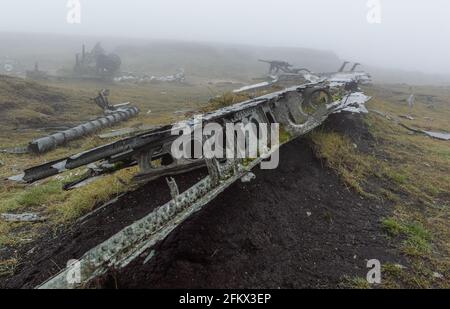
[(411, 35)]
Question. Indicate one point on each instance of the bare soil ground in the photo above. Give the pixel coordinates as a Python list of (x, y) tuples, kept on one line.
[(297, 226)]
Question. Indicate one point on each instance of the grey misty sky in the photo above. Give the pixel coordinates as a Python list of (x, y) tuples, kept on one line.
[(413, 34)]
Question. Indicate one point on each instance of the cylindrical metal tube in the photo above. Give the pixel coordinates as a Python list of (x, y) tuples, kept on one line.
[(48, 143)]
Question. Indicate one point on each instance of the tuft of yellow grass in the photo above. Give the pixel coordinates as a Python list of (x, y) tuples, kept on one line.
[(414, 174), (82, 200), (340, 154), (7, 267)]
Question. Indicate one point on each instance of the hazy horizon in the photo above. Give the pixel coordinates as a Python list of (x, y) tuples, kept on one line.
[(410, 36)]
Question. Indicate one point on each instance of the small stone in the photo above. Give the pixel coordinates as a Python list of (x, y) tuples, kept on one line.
[(308, 213)]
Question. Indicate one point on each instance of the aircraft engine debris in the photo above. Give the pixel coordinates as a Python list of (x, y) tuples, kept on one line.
[(113, 114), (96, 63)]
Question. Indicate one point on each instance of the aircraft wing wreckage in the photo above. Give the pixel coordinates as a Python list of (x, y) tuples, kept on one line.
[(297, 109)]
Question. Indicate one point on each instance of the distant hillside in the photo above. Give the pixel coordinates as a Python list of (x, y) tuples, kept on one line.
[(200, 60), (29, 104), (160, 57)]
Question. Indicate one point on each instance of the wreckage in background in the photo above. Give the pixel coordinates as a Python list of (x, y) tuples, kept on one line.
[(178, 77), (11, 67), (277, 67), (96, 64), (298, 110), (282, 73)]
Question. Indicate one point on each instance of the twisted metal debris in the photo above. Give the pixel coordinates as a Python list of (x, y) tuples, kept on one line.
[(298, 110), (293, 108), (285, 71)]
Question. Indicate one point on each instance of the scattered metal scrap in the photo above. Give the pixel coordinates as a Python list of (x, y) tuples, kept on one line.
[(279, 72), (273, 80), (298, 110), (178, 77), (437, 135), (93, 172)]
